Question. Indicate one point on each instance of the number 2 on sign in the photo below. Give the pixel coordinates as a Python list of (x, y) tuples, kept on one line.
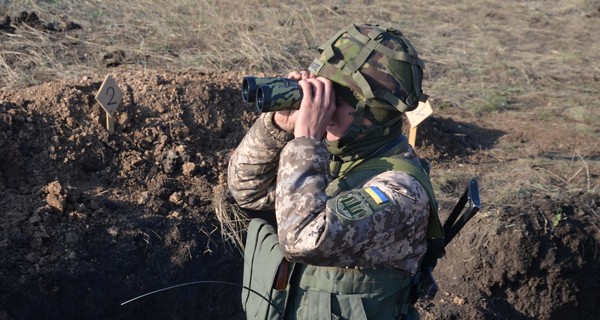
[(111, 92)]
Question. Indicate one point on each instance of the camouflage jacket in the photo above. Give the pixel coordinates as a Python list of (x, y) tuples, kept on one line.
[(322, 230)]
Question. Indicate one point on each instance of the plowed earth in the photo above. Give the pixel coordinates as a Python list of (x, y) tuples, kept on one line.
[(91, 219)]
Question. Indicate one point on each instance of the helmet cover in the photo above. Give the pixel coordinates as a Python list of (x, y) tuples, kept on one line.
[(378, 64)]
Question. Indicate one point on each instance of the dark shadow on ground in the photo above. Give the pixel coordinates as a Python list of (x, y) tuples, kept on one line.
[(444, 139)]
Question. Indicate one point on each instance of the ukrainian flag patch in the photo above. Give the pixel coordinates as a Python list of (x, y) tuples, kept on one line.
[(376, 194)]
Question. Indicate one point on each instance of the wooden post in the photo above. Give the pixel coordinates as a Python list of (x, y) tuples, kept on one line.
[(412, 137), (110, 123), (415, 117)]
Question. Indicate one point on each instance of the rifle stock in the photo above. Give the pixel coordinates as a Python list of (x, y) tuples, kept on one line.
[(436, 249)]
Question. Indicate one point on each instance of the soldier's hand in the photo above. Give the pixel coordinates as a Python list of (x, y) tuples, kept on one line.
[(286, 119), (316, 109)]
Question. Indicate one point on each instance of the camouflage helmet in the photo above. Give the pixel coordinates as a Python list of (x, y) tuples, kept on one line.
[(378, 64)]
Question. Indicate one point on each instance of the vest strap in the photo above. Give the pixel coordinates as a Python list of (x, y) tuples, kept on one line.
[(319, 301), (353, 281), (353, 293)]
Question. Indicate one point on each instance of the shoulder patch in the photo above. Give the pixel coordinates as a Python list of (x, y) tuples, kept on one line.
[(358, 204)]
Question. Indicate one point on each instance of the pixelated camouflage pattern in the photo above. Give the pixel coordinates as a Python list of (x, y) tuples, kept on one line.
[(277, 97), (380, 71), (250, 85), (311, 230), (253, 165)]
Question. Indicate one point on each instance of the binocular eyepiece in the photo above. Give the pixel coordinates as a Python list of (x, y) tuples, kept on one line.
[(272, 94)]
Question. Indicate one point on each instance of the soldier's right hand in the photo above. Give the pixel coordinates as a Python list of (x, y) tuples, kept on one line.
[(316, 109)]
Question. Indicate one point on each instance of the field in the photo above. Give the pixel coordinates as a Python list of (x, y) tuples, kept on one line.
[(90, 219)]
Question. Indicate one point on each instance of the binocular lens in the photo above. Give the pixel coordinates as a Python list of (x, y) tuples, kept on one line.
[(248, 89), (271, 94), (261, 93)]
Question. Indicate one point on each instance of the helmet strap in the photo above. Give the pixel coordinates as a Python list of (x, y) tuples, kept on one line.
[(357, 127)]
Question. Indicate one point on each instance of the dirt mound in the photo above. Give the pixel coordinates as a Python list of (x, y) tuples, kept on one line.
[(91, 219), (529, 264)]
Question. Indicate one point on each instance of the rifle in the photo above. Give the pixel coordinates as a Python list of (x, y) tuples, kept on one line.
[(469, 204)]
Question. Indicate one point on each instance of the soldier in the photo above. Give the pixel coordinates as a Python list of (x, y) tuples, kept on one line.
[(352, 200)]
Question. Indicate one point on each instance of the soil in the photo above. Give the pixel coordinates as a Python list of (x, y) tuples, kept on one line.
[(90, 220)]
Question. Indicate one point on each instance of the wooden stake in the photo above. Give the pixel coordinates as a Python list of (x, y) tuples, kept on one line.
[(110, 123), (412, 136)]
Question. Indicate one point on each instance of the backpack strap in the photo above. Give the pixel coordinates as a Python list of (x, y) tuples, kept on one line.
[(262, 259)]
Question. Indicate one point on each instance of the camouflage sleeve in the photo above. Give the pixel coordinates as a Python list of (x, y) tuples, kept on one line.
[(253, 165), (383, 224)]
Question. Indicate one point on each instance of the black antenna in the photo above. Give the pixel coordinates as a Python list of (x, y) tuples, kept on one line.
[(205, 282)]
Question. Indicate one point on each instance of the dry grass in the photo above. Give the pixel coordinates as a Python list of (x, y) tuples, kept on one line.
[(233, 222), (483, 56), (555, 178), (476, 60)]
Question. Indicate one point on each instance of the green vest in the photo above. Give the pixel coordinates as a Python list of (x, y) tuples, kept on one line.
[(331, 292)]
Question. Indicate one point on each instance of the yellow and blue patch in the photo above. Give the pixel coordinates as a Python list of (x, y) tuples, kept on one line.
[(376, 194), (359, 203)]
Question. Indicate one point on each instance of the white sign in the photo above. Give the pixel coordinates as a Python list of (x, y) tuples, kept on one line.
[(422, 112), (109, 96)]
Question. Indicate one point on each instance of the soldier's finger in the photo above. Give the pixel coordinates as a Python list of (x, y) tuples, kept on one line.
[(305, 74), (317, 86), (328, 92), (295, 75), (307, 91)]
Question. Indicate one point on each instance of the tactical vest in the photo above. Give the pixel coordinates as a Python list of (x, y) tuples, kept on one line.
[(332, 292)]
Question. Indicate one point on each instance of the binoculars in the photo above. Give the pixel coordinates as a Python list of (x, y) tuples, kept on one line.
[(272, 94)]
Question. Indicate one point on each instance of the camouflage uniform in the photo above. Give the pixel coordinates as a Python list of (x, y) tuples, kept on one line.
[(312, 226), (357, 240)]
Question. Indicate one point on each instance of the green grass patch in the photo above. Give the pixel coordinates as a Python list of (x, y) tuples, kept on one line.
[(492, 101)]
